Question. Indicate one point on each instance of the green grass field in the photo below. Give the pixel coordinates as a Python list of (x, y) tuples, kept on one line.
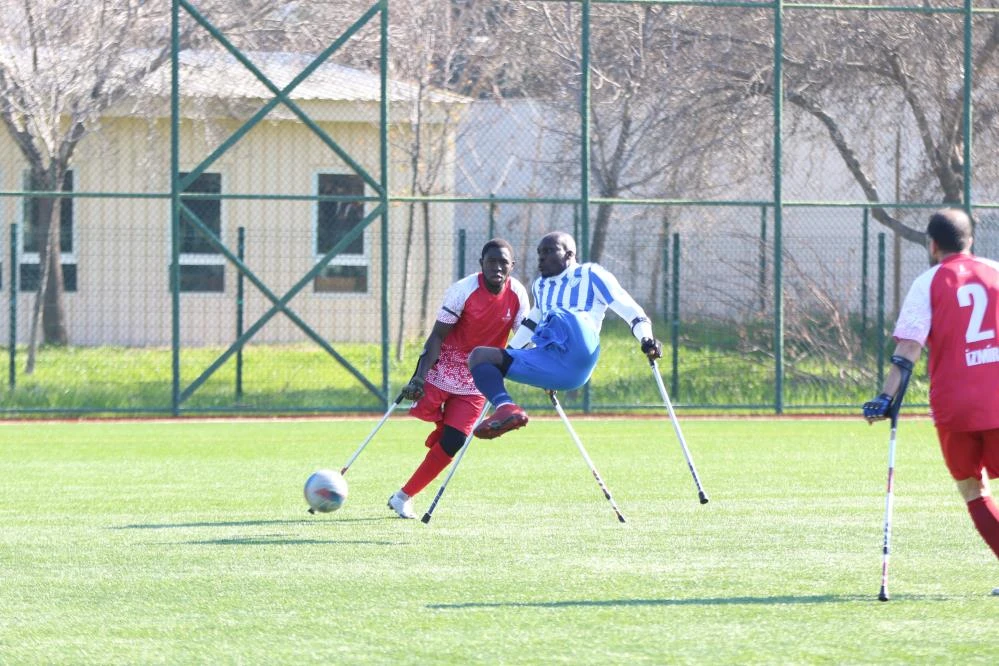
[(188, 542)]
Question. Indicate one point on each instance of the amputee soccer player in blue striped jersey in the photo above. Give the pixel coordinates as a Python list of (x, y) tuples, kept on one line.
[(558, 346)]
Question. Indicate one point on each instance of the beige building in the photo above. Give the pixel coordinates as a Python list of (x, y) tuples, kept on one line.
[(117, 256)]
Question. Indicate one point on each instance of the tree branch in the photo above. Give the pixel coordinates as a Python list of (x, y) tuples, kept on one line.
[(853, 165)]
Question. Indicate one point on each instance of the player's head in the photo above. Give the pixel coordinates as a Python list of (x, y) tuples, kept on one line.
[(950, 231), (556, 251), (496, 244), (496, 263)]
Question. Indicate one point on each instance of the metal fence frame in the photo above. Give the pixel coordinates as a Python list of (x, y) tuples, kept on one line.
[(380, 10)]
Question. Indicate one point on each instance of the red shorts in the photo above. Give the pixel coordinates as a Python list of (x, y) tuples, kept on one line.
[(967, 453), (457, 410)]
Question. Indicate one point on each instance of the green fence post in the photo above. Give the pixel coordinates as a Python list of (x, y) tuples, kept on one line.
[(175, 208), (241, 253), (675, 324), (575, 221), (12, 349), (967, 124), (666, 278), (778, 160), (762, 279), (881, 308), (462, 240), (863, 279), (383, 165), (492, 215), (583, 234)]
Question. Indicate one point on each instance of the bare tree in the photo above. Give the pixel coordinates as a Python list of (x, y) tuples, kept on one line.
[(854, 78), (649, 136), (437, 51), (62, 64)]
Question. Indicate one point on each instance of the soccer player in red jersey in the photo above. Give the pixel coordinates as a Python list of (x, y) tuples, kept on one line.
[(953, 308), (480, 309)]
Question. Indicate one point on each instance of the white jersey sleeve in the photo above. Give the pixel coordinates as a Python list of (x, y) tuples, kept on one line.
[(916, 313), (622, 303), (455, 297), (524, 334)]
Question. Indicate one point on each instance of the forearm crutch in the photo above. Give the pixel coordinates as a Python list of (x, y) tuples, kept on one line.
[(388, 412), (586, 457), (905, 367), (454, 465), (679, 433)]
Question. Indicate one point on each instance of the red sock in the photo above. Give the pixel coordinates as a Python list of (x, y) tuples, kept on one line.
[(435, 462), (985, 515)]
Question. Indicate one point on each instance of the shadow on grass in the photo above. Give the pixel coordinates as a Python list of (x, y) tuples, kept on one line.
[(279, 541), (710, 601), (245, 523)]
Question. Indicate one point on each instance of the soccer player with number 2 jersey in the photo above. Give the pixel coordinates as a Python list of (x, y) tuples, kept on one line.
[(953, 310)]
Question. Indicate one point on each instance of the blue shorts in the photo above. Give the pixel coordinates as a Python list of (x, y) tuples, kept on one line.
[(563, 359)]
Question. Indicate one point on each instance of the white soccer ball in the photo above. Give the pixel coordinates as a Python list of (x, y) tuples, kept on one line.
[(325, 491)]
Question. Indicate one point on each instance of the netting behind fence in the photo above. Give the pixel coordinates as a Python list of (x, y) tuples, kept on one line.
[(273, 229)]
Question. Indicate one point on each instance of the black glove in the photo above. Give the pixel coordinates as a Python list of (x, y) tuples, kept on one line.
[(877, 409), (413, 390), (652, 348)]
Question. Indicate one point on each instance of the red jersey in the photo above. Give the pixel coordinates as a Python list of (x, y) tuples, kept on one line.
[(952, 309), (481, 319)]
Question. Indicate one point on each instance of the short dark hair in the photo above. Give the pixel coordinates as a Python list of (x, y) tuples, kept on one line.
[(951, 229), (496, 243)]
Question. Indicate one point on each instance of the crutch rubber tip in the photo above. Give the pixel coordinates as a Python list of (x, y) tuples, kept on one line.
[(425, 519), (883, 596), (704, 498), (621, 518)]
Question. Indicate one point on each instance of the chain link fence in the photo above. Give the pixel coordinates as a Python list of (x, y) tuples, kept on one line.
[(271, 230)]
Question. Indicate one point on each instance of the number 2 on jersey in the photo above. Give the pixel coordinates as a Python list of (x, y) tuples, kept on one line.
[(974, 294)]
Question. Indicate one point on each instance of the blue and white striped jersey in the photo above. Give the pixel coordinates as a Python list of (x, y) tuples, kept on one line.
[(588, 290)]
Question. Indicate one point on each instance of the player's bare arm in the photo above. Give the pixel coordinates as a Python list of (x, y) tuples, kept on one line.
[(431, 352)]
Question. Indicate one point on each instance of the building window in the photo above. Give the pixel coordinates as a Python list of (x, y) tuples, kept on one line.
[(347, 272), (30, 276), (29, 270), (201, 278), (202, 266)]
